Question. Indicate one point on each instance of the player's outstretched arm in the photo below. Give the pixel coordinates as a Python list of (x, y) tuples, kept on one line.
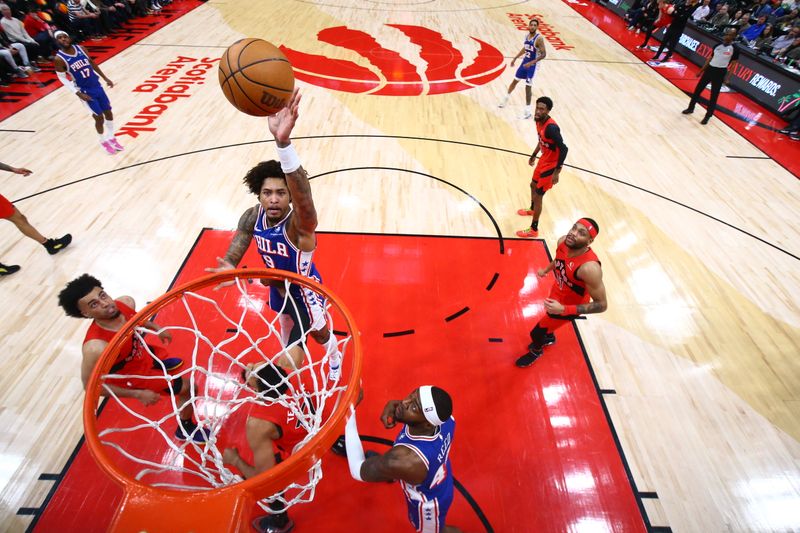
[(241, 241), (15, 170), (304, 220), (398, 463)]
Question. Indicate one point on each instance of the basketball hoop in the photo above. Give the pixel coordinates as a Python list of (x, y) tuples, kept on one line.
[(173, 485)]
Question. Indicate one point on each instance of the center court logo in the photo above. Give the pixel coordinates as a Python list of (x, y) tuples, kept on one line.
[(390, 73)]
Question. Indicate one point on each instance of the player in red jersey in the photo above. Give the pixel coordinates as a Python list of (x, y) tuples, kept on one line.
[(578, 288), (272, 432), (84, 297), (9, 212), (554, 152)]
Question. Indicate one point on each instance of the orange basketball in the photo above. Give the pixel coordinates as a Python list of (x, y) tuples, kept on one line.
[(41, 2), (45, 16), (62, 8), (256, 77)]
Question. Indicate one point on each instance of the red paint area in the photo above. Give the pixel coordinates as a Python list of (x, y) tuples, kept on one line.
[(532, 446), (402, 79), (23, 92), (751, 120)]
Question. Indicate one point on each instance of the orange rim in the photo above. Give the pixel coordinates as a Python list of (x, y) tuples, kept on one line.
[(266, 483)]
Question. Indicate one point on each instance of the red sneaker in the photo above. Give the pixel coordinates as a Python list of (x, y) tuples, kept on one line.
[(525, 212), (528, 233)]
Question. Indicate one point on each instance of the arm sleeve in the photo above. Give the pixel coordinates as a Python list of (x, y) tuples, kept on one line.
[(355, 451), (69, 84), (553, 132)]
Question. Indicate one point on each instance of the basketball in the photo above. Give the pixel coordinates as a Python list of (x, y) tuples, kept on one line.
[(256, 77), (62, 8), (45, 16)]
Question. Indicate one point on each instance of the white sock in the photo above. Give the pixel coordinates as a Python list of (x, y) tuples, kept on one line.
[(102, 137), (528, 109), (332, 351), (109, 128)]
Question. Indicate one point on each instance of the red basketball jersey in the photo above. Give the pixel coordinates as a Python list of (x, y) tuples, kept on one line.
[(292, 429), (550, 151), (568, 289), (127, 352)]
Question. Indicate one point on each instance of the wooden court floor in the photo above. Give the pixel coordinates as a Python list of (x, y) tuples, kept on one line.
[(699, 249)]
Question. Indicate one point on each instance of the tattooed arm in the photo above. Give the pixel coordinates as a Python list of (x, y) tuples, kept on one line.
[(244, 234), (592, 275), (239, 244)]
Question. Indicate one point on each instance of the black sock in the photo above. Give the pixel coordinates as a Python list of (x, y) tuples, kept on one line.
[(535, 225)]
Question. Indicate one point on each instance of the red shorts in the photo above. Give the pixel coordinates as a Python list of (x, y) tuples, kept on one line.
[(143, 366), (6, 207), (543, 177)]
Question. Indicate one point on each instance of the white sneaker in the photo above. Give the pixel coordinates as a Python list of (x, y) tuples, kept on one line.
[(335, 373), (526, 115), (503, 103)]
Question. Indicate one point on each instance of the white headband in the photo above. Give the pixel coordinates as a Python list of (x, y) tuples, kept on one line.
[(59, 32), (428, 407)]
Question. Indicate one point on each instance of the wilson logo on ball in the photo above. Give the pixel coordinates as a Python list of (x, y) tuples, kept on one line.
[(391, 74)]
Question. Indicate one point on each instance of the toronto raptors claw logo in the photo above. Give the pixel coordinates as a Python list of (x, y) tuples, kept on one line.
[(393, 74)]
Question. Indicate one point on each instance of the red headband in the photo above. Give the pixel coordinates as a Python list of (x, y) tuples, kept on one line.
[(589, 226)]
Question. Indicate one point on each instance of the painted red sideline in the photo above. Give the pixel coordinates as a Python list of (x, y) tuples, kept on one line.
[(752, 121), (24, 92)]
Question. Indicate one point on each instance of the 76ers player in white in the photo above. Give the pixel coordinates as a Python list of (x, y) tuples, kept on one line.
[(419, 458), (73, 62), (283, 224), (534, 51)]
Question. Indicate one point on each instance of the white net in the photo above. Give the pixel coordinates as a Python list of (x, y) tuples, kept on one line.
[(224, 339)]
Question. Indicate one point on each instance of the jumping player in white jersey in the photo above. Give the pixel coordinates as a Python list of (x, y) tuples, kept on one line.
[(419, 458), (283, 224), (79, 73), (534, 51)]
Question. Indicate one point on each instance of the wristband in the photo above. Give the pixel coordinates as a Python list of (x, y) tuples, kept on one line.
[(288, 158), (355, 451), (570, 310)]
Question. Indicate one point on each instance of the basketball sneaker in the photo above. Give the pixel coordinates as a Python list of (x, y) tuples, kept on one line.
[(525, 115), (340, 447), (108, 147), (335, 373), (549, 339), (528, 359), (170, 364), (188, 429), (528, 233), (503, 102), (272, 524), (53, 246), (525, 212), (7, 270), (115, 144)]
